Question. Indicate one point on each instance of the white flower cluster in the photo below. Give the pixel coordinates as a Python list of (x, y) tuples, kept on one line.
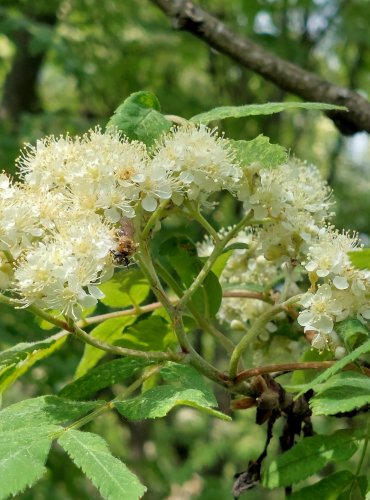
[(339, 290), (293, 203), (296, 202), (199, 161), (246, 270), (107, 172), (60, 250), (57, 228)]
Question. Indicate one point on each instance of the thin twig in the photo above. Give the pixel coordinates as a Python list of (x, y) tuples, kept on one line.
[(290, 367)]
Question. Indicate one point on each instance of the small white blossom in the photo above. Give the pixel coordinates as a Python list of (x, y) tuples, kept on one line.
[(328, 256), (321, 310)]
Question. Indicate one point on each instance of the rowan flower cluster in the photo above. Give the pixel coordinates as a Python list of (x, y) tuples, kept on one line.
[(246, 270), (295, 201), (58, 227), (338, 289)]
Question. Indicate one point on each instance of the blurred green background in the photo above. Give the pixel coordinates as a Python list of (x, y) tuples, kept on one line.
[(65, 66)]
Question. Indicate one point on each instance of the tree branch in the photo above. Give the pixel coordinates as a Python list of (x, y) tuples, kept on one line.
[(289, 77)]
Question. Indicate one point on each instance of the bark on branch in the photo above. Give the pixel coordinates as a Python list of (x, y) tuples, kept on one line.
[(289, 77)]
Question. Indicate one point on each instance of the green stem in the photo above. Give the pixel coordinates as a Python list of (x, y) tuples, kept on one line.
[(110, 404), (9, 256), (227, 344), (217, 251), (123, 351), (252, 333), (194, 358), (364, 449), (134, 311), (156, 215), (63, 325), (169, 279), (10, 302), (196, 214), (209, 327)]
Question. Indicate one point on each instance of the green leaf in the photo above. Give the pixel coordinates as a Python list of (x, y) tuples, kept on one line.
[(108, 331), (352, 356), (43, 410), (112, 478), (149, 334), (126, 288), (118, 370), (187, 377), (342, 392), (157, 402), (260, 151), (23, 453), (180, 254), (309, 456), (352, 332), (221, 262), (328, 488), (360, 258), (185, 387), (258, 109), (139, 118), (17, 360)]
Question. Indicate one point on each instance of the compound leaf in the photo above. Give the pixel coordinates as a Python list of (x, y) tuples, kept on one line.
[(43, 410), (112, 478), (341, 393), (269, 108), (309, 456), (108, 331), (23, 453), (112, 372)]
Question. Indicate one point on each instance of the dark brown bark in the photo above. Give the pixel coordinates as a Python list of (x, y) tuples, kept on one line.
[(20, 89), (289, 77)]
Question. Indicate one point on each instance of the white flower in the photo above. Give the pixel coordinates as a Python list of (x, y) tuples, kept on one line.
[(320, 311), (292, 185), (328, 256), (201, 161)]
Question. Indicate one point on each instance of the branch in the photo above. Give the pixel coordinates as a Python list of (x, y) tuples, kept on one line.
[(290, 367), (289, 77)]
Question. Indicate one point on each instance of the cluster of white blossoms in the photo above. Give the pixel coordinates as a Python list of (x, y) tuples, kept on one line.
[(246, 270), (295, 201), (294, 206), (107, 172), (54, 251), (200, 161), (339, 290), (58, 228)]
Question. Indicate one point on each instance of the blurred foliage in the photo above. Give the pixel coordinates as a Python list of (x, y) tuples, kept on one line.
[(92, 55)]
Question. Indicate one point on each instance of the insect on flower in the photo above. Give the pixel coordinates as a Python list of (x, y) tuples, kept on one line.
[(126, 245)]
